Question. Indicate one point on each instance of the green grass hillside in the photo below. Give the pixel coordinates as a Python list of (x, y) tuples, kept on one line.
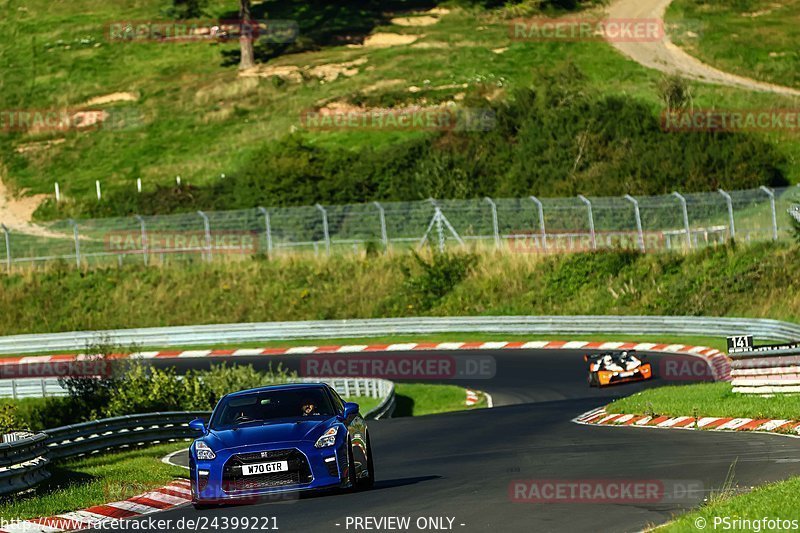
[(754, 38), (571, 117), (756, 281)]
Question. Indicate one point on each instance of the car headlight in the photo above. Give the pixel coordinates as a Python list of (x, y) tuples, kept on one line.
[(203, 452), (328, 438)]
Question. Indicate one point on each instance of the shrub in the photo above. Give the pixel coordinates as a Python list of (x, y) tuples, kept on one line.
[(428, 280)]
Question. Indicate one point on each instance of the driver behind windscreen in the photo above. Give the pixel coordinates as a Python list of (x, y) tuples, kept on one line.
[(309, 409)]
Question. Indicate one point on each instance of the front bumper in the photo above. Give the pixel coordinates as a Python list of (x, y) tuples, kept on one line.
[(221, 481)]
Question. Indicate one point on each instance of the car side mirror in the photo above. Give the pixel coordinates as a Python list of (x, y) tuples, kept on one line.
[(350, 409), (198, 424)]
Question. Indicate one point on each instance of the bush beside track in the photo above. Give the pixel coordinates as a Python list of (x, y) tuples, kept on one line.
[(714, 282)]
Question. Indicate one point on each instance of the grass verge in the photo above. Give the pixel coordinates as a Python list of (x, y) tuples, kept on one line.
[(755, 38), (80, 483), (718, 281), (707, 399), (418, 399), (775, 500)]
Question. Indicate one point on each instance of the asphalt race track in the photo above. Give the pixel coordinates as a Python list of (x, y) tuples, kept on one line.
[(461, 465)]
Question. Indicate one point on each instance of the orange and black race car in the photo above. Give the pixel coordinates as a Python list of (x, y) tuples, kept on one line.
[(611, 368)]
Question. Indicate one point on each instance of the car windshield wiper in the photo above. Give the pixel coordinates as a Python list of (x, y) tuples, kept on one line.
[(246, 420)]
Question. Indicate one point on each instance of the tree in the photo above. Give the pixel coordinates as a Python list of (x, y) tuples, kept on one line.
[(246, 36)]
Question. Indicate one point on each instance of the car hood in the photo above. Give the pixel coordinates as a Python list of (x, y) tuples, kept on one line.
[(267, 433)]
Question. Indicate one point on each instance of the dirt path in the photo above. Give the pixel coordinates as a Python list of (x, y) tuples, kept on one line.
[(16, 213), (667, 57)]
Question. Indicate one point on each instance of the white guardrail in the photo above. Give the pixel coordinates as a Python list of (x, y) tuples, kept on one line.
[(764, 370), (24, 457), (230, 334)]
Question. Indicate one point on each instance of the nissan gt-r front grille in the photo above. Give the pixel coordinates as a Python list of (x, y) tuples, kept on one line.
[(233, 480)]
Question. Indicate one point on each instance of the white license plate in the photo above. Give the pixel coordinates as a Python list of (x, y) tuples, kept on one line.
[(265, 468), (627, 374)]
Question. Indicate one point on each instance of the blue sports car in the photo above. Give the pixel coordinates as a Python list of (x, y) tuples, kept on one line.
[(281, 438)]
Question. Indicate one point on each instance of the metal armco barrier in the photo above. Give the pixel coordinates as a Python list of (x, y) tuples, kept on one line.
[(23, 462), (777, 371), (219, 334)]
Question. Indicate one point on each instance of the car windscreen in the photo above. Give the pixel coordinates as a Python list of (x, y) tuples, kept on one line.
[(266, 406)]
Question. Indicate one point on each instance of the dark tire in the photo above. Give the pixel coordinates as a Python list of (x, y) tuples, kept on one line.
[(369, 481), (351, 467)]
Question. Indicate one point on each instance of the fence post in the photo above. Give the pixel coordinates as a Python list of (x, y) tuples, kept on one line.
[(495, 225), (143, 229), (769, 192), (77, 242), (638, 214), (207, 227), (384, 234), (685, 209), (540, 208), (267, 228), (591, 220), (325, 228), (729, 201), (8, 246)]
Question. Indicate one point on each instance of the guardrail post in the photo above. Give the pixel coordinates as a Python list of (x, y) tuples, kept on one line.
[(685, 210), (267, 228), (591, 220), (540, 208), (325, 228), (495, 225), (384, 234), (731, 222), (77, 242), (143, 230), (638, 215), (769, 192), (14, 389), (8, 246), (207, 228)]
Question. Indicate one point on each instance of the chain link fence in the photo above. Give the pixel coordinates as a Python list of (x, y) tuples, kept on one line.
[(520, 225)]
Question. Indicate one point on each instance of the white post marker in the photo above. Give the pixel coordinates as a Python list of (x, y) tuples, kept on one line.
[(97, 188), (138, 184), (58, 193), (178, 180)]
